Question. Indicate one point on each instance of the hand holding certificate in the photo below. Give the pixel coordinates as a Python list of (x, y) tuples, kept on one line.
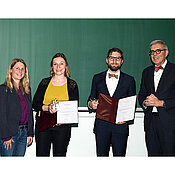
[(116, 110), (126, 109), (67, 113)]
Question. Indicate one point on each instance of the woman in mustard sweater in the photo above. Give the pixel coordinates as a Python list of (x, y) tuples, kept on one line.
[(61, 87)]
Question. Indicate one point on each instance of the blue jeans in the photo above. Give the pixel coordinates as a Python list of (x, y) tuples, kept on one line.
[(19, 145)]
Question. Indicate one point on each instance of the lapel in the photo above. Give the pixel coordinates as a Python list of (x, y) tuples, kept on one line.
[(15, 97), (120, 84), (28, 100), (163, 79), (18, 101), (150, 78), (104, 83)]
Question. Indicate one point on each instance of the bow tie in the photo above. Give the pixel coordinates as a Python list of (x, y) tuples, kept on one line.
[(157, 68), (113, 75)]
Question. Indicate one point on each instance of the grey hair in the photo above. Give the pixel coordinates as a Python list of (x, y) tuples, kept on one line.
[(159, 42)]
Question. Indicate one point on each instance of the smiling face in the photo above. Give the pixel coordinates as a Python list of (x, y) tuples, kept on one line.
[(59, 66), (18, 71), (158, 58), (114, 61)]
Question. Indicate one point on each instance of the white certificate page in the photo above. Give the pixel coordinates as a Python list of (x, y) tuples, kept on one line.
[(126, 109), (67, 112)]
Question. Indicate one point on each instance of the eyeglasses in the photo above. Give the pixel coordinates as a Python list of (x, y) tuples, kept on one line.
[(158, 51), (112, 58)]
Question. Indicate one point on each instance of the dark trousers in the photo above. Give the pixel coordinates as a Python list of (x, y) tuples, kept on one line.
[(59, 136), (109, 134), (159, 141)]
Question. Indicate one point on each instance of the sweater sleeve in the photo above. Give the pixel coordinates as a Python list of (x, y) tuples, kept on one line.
[(39, 95)]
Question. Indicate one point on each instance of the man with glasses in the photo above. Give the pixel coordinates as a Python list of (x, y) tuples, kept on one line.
[(116, 84), (157, 98)]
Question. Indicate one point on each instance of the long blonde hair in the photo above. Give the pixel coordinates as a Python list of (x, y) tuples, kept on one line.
[(24, 83)]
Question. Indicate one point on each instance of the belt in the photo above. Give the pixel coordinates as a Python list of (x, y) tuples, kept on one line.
[(155, 113), (22, 126)]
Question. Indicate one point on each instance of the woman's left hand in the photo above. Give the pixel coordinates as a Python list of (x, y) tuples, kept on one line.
[(29, 141)]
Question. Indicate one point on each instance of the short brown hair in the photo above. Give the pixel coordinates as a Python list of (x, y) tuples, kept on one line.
[(115, 50)]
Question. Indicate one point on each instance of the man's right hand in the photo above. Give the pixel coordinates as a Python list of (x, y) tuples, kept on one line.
[(93, 104)]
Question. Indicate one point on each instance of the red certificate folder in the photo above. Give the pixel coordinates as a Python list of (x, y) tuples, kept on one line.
[(47, 120), (107, 108)]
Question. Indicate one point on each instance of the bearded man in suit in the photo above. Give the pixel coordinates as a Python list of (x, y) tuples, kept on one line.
[(157, 98), (115, 83)]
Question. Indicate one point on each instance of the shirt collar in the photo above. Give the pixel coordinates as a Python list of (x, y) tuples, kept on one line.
[(164, 64), (118, 73)]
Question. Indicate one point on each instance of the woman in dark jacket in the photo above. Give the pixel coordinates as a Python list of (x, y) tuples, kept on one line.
[(16, 116), (61, 87)]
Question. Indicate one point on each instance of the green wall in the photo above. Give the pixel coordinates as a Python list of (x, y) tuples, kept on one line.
[(85, 43)]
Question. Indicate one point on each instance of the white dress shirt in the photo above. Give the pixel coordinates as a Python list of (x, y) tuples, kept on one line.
[(112, 82), (157, 76)]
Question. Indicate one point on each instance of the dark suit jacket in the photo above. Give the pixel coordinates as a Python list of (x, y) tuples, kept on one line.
[(126, 86), (10, 113), (165, 91)]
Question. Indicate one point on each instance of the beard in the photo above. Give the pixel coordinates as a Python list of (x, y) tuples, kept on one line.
[(114, 68)]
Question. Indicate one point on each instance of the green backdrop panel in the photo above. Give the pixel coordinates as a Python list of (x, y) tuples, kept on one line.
[(85, 43)]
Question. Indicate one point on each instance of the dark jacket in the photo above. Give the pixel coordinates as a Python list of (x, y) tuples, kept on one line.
[(39, 95), (165, 91), (10, 112), (126, 87)]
